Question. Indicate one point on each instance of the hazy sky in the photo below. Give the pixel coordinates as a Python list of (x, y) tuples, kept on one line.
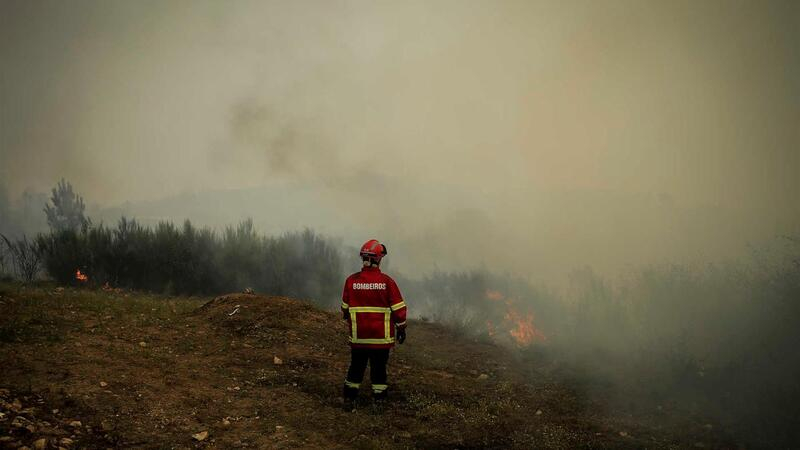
[(534, 136)]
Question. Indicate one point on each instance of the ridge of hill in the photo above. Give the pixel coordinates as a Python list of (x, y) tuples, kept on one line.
[(251, 371)]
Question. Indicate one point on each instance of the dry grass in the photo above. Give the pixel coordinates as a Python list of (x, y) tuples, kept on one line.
[(200, 369)]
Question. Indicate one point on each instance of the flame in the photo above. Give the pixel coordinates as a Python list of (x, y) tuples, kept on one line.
[(80, 276), (519, 326), (523, 331), (494, 296)]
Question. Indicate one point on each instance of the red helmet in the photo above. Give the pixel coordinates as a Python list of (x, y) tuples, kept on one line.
[(373, 249)]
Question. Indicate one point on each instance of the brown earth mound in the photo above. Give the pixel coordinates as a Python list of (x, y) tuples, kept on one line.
[(250, 371)]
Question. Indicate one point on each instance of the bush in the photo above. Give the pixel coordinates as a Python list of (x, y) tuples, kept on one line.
[(188, 260), (26, 257)]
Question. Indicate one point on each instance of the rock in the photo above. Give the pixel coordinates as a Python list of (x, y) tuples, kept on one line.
[(103, 384), (623, 433), (142, 344), (277, 361), (16, 405), (6, 438), (404, 434), (483, 376), (55, 411), (538, 412), (76, 424), (278, 428), (66, 442), (201, 436), (23, 448), (226, 422), (40, 444)]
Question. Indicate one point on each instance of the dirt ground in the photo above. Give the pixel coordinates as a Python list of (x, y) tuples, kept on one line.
[(93, 368)]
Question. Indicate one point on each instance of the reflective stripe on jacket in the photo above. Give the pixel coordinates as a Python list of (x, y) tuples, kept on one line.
[(374, 306)]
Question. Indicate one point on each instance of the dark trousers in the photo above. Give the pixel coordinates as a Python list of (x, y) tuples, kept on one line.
[(377, 359)]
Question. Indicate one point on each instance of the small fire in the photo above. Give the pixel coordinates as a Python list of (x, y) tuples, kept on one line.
[(519, 326), (81, 277), (523, 330), (494, 296)]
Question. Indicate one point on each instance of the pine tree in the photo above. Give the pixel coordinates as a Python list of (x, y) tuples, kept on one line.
[(66, 213)]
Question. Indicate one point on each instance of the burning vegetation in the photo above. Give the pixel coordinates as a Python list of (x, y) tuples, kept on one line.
[(519, 326), (81, 277)]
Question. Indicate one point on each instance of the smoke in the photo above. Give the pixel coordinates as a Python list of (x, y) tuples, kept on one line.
[(529, 137)]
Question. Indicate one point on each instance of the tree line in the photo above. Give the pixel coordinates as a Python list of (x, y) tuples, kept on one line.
[(174, 259)]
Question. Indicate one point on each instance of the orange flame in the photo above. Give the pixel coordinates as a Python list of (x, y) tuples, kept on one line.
[(81, 277), (523, 330), (494, 296), (520, 327)]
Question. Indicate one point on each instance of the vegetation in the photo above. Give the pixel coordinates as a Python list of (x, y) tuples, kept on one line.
[(190, 260), (67, 209), (26, 257)]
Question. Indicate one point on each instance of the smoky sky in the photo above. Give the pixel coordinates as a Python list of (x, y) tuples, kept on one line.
[(531, 136)]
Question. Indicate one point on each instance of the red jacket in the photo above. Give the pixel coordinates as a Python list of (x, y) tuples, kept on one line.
[(375, 307)]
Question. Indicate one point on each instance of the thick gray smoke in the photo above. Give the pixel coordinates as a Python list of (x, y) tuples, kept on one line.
[(529, 137)]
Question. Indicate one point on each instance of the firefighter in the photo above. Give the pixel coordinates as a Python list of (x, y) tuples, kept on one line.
[(376, 315)]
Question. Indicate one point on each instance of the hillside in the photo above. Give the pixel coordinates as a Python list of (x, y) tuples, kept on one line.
[(253, 371)]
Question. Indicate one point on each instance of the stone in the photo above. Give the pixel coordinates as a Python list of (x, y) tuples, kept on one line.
[(277, 361), (142, 344), (76, 423), (103, 384), (483, 376), (40, 444), (201, 436)]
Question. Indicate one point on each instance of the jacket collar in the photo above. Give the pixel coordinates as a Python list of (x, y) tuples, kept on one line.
[(370, 269)]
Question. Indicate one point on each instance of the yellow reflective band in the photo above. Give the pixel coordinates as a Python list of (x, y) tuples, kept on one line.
[(379, 387), (372, 309), (350, 384), (372, 341), (353, 325), (400, 305), (345, 305), (386, 326)]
